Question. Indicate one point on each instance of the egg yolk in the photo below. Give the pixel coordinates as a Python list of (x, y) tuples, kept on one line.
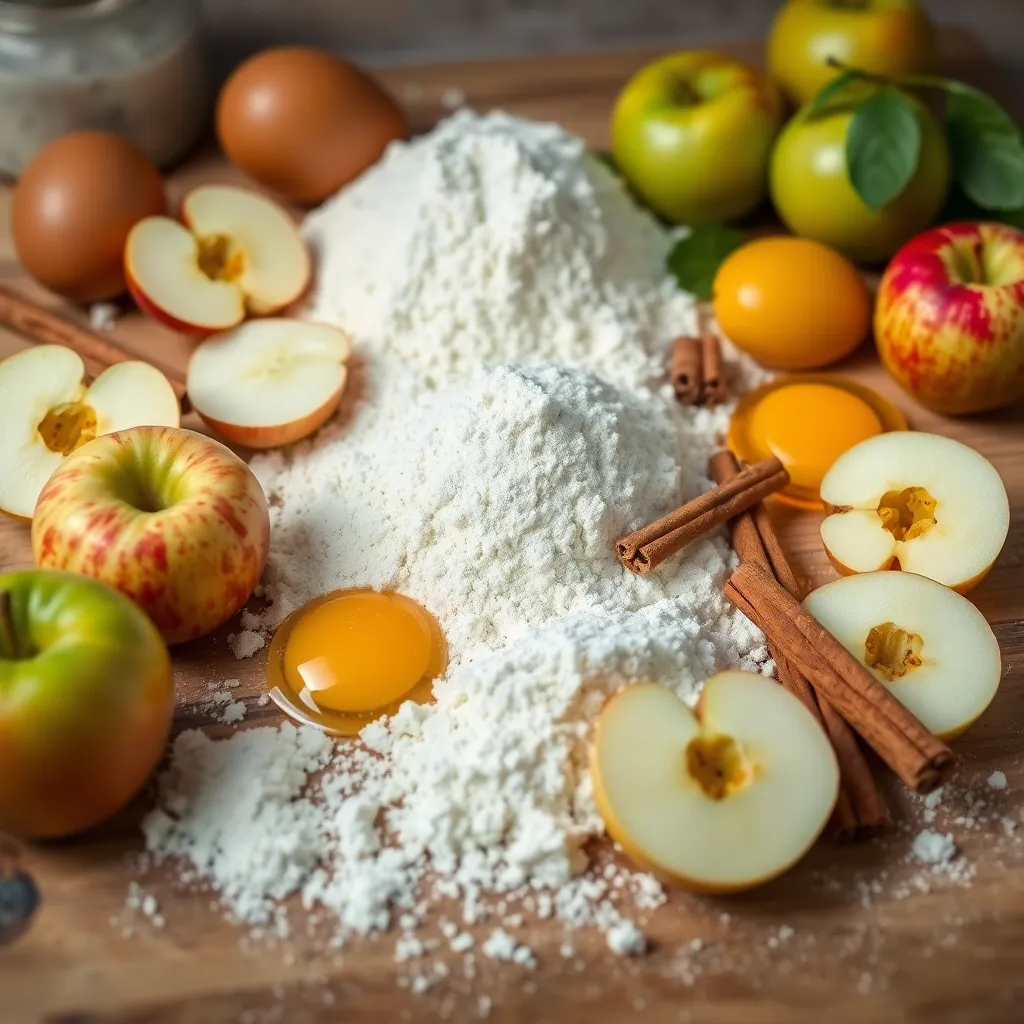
[(359, 651), (808, 426)]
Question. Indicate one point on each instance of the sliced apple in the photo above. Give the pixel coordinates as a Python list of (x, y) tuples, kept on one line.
[(931, 647), (919, 502), (233, 252), (719, 799), (269, 382), (46, 412)]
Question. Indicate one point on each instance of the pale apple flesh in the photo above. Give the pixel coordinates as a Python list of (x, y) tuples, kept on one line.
[(922, 502), (171, 518), (47, 411), (949, 321), (719, 799), (234, 253), (269, 382), (929, 645)]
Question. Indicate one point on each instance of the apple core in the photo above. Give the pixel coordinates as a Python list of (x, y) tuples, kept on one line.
[(892, 650), (219, 260), (908, 513), (718, 765), (68, 426)]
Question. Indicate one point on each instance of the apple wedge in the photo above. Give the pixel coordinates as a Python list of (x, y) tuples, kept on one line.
[(919, 502), (47, 411), (233, 252), (931, 647), (719, 799), (269, 382)]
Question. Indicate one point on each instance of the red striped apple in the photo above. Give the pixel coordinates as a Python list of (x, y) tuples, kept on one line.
[(949, 321), (233, 253), (169, 517)]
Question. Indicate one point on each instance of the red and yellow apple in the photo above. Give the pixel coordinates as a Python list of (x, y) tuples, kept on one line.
[(813, 194), (233, 253), (692, 133), (86, 699), (169, 517), (949, 319), (887, 37)]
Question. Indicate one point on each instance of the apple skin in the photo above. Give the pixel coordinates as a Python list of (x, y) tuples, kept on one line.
[(887, 37), (673, 122), (171, 518), (262, 438), (84, 721), (161, 316), (812, 193), (949, 319)]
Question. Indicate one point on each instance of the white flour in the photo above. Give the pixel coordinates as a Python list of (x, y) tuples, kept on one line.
[(510, 308)]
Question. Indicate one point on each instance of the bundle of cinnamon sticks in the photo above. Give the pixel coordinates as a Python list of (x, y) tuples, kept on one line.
[(832, 683), (697, 371)]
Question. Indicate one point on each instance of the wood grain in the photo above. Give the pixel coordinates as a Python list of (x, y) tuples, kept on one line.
[(850, 948)]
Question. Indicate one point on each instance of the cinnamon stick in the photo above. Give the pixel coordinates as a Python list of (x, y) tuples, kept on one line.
[(918, 758), (860, 811), (686, 371), (645, 549), (713, 370), (42, 327)]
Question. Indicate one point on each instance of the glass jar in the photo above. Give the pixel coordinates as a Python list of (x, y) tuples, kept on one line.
[(135, 67)]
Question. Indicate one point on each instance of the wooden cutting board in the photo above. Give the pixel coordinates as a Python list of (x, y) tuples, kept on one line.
[(835, 939)]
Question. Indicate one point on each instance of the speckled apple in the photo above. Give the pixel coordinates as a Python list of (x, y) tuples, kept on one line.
[(949, 320), (170, 517)]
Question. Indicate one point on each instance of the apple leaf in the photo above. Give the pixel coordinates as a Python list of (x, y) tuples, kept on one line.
[(986, 147), (695, 259), (883, 146)]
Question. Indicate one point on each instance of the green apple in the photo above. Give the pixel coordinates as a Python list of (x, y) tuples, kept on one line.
[(86, 699), (692, 133), (812, 192), (887, 37), (167, 516)]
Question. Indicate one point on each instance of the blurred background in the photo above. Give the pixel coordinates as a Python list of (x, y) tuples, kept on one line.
[(407, 31)]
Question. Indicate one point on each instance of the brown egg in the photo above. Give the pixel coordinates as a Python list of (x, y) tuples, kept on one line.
[(304, 122), (72, 210)]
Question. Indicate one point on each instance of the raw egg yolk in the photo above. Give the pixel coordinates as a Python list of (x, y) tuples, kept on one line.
[(808, 426), (361, 650)]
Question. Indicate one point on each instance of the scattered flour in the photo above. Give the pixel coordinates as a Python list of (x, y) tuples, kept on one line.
[(103, 316), (997, 781), (933, 848), (511, 316)]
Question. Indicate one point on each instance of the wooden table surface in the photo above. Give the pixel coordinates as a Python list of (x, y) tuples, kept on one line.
[(848, 935)]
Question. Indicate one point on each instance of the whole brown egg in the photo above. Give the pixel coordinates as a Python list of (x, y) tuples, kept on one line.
[(305, 122), (73, 207)]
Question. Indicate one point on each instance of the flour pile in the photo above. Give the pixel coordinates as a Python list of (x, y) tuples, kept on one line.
[(509, 305)]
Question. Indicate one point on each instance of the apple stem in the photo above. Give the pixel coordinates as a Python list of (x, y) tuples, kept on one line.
[(9, 647)]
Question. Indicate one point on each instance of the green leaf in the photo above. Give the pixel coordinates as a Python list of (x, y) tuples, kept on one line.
[(883, 146), (986, 147), (831, 90), (695, 259)]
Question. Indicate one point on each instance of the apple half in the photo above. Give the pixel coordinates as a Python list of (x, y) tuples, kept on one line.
[(47, 411), (717, 799), (919, 502), (233, 252), (929, 645), (269, 382)]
